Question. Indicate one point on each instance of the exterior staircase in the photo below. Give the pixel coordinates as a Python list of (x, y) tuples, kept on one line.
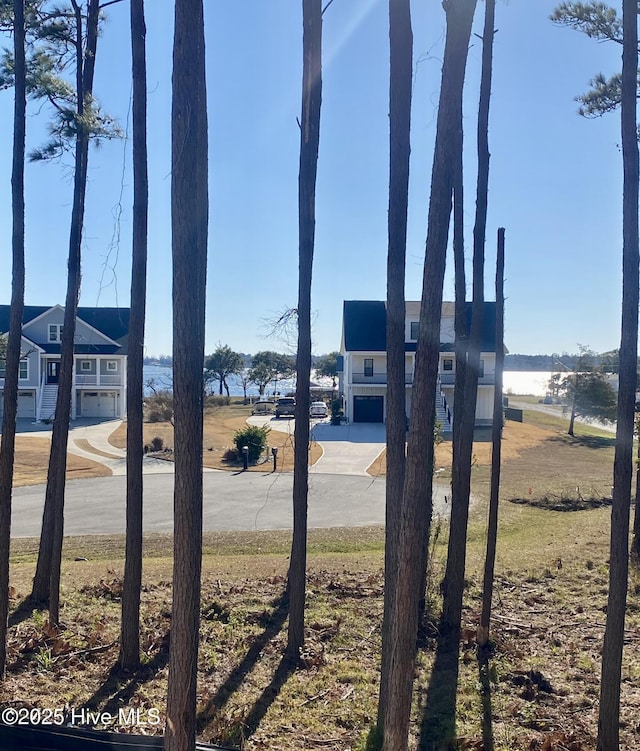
[(443, 414), (47, 409)]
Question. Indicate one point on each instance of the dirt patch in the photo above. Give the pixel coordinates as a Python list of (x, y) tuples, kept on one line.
[(564, 502)]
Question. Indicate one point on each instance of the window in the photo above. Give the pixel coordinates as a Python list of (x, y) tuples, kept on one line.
[(23, 371), (55, 332), (85, 366), (447, 365), (481, 371), (112, 366), (368, 366), (415, 325)]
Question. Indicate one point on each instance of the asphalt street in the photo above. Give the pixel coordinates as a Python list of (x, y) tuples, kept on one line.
[(239, 501)]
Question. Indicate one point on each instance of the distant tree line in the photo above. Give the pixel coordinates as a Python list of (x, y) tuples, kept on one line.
[(319, 361), (261, 369), (605, 361)]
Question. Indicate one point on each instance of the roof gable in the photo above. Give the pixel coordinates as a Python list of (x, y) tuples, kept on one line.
[(109, 327), (365, 326)]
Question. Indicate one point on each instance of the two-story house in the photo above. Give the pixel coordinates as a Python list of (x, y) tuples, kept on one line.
[(99, 362), (363, 378)]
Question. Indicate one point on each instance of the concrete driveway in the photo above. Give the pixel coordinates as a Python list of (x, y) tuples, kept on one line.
[(95, 432), (346, 449)]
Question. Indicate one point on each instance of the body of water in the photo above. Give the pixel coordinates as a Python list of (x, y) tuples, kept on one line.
[(522, 382), (515, 382), (159, 377)]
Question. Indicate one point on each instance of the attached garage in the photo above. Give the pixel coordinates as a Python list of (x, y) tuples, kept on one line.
[(98, 404), (26, 403), (368, 409)]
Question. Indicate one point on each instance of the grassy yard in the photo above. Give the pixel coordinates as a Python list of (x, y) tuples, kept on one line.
[(538, 691), (32, 457), (220, 426)]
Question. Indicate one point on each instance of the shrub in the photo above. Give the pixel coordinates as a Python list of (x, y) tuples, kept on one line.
[(217, 400), (159, 407), (253, 436), (230, 455), (157, 443)]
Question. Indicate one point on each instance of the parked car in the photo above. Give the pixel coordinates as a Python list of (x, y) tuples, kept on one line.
[(318, 409), (286, 407), (262, 408)]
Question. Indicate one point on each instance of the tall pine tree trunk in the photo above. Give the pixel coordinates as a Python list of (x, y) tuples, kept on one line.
[(635, 542), (463, 436), (496, 450), (46, 583), (130, 627), (189, 220), (417, 502), (609, 715), (401, 62), (309, 142), (7, 446)]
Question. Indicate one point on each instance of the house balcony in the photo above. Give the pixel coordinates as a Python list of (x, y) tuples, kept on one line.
[(377, 379), (98, 380), (449, 379)]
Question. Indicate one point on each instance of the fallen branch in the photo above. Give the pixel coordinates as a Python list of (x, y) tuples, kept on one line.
[(89, 650)]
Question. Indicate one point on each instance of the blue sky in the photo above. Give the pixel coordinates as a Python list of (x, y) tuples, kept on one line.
[(555, 180)]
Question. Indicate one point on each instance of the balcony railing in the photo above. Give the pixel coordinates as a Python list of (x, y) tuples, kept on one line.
[(94, 380), (448, 379), (377, 379)]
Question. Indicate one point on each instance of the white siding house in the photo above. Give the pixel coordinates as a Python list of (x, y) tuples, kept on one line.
[(363, 362), (99, 367)]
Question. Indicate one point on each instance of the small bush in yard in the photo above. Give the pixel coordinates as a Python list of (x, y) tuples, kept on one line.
[(157, 444), (217, 400), (159, 407), (253, 436), (230, 455)]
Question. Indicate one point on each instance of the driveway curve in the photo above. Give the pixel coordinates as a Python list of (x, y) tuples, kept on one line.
[(346, 449)]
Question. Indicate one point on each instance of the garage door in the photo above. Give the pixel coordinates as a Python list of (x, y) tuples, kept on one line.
[(26, 403), (98, 404), (368, 409)]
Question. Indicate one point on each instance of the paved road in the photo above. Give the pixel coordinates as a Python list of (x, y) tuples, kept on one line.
[(243, 501)]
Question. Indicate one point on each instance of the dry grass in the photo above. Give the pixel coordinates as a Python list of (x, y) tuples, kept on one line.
[(517, 438), (32, 458), (540, 683), (220, 425)]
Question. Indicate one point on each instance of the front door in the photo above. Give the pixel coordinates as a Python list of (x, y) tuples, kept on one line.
[(53, 371)]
